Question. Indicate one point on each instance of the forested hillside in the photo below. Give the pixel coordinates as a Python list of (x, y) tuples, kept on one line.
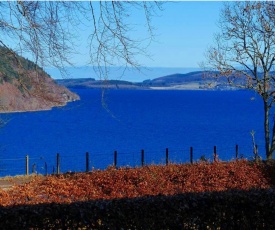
[(24, 86)]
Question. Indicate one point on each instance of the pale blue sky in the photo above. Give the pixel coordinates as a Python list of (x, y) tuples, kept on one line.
[(184, 30)]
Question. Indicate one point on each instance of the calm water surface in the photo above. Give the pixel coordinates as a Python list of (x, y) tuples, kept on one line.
[(135, 119)]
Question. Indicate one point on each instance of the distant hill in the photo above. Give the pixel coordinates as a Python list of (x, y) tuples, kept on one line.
[(178, 78), (119, 73), (192, 80), (92, 83), (24, 86)]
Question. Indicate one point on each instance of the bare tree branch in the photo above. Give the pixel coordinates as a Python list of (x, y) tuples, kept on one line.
[(47, 31), (244, 54)]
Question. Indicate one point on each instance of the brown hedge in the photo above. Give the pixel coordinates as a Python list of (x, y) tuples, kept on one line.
[(234, 195)]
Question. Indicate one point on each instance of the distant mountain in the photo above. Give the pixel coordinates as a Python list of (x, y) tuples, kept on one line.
[(24, 86)]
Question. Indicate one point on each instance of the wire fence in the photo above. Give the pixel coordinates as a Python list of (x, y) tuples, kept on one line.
[(88, 161)]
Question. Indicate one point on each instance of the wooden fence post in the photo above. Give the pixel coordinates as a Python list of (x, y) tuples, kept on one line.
[(115, 158), (215, 153), (46, 169), (27, 165), (87, 162), (142, 157), (237, 152), (191, 155), (167, 156), (57, 163)]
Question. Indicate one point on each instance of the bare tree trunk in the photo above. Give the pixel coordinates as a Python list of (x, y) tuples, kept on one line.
[(267, 131), (270, 156)]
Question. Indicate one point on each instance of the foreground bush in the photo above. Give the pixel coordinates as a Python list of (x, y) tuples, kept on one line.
[(219, 195)]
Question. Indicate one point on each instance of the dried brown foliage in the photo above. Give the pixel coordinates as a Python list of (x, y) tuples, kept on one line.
[(215, 195), (138, 182)]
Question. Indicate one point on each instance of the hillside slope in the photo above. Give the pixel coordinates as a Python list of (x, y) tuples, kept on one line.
[(24, 86)]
